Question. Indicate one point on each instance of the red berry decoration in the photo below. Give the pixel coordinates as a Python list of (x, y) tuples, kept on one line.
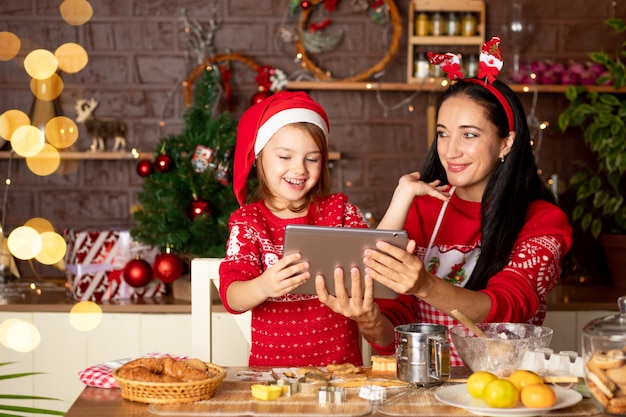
[(164, 163), (167, 267), (198, 207), (137, 273), (305, 4), (145, 168)]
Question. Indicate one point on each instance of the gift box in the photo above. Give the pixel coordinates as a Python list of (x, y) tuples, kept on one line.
[(94, 263)]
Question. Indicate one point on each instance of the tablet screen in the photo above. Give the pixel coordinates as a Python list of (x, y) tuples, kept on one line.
[(328, 247)]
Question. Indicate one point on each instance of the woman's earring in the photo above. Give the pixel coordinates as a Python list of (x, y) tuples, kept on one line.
[(502, 159)]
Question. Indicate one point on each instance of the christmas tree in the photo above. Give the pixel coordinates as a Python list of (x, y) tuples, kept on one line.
[(187, 195)]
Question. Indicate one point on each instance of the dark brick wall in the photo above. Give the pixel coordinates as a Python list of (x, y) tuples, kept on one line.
[(138, 59)]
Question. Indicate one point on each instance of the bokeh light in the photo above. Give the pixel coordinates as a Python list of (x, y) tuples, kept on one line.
[(72, 57), (76, 12), (24, 242), (41, 64), (46, 162), (27, 141), (53, 248), (9, 46), (61, 132), (85, 316), (40, 224), (47, 89), (19, 335), (10, 120)]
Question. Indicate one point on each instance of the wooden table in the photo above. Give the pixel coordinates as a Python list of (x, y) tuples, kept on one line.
[(100, 402)]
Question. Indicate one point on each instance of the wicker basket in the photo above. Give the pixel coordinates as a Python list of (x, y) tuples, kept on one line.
[(172, 392)]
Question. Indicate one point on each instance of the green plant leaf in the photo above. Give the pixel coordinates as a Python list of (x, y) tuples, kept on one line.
[(586, 220), (578, 212), (596, 228), (600, 198)]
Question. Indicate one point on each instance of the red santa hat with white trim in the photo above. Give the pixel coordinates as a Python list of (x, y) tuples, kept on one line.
[(259, 123)]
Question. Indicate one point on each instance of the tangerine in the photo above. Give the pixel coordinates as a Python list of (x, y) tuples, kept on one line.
[(522, 377), (501, 393), (477, 381), (538, 396)]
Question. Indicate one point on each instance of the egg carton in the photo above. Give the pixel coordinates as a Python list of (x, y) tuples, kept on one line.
[(545, 361)]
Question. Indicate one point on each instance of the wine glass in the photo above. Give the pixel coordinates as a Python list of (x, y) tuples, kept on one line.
[(518, 32)]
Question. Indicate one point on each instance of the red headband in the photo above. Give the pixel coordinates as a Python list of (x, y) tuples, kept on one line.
[(258, 124), (503, 101), (489, 66)]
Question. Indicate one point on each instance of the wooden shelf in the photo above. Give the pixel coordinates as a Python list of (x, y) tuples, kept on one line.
[(88, 155), (110, 156), (430, 85)]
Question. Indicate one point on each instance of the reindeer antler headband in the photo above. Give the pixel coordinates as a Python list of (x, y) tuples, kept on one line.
[(488, 68)]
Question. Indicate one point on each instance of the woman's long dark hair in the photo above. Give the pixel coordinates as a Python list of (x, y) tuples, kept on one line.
[(513, 186)]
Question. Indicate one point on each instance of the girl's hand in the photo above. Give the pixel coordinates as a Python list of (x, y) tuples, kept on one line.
[(284, 276)]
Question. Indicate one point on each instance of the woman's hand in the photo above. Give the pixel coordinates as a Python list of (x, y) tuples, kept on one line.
[(396, 268), (411, 185), (359, 305), (284, 276)]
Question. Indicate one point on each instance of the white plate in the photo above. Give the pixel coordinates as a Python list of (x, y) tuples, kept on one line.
[(457, 396)]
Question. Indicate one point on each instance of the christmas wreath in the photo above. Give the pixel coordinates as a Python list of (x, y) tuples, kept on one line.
[(308, 35)]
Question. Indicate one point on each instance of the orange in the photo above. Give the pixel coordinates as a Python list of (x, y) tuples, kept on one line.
[(538, 396), (501, 393), (477, 381), (521, 377)]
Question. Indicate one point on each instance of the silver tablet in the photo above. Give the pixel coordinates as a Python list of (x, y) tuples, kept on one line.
[(325, 248)]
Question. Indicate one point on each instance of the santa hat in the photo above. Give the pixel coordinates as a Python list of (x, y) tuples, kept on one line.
[(259, 123)]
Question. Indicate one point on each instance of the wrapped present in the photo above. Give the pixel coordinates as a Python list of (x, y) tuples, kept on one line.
[(94, 263)]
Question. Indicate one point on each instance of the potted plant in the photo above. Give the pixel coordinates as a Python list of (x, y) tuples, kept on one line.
[(600, 190)]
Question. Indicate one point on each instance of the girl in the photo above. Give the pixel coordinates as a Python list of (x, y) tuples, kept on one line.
[(286, 136)]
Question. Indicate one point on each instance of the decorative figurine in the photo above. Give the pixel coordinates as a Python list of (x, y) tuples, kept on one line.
[(100, 127)]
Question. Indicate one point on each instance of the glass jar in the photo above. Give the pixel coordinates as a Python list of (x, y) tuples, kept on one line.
[(437, 25), (422, 66), (422, 24), (468, 24), (604, 355), (453, 24)]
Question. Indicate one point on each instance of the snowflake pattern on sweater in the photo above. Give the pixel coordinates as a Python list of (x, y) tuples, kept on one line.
[(295, 329), (518, 292)]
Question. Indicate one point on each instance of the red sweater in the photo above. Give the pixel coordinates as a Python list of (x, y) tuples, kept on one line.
[(295, 329), (518, 292)]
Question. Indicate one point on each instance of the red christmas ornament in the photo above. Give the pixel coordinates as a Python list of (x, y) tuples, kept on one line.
[(306, 4), (137, 273), (164, 163), (198, 207), (259, 96), (167, 267), (145, 168)]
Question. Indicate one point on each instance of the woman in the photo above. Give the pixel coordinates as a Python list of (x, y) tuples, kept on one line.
[(486, 235)]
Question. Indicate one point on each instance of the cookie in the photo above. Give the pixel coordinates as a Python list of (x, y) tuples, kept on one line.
[(602, 382), (617, 375), (306, 369), (613, 358), (597, 394), (344, 368)]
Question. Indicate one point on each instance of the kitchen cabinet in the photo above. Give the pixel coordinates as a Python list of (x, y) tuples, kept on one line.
[(567, 326), (64, 351)]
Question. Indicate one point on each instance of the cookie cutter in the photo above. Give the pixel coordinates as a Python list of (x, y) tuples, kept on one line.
[(331, 395), (373, 393)]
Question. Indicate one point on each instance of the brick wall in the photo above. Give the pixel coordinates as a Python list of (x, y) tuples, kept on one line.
[(138, 59)]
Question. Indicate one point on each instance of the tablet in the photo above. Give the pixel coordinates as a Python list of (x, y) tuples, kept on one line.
[(328, 247)]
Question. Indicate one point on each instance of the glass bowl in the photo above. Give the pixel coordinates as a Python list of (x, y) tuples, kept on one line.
[(502, 351), (604, 355)]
